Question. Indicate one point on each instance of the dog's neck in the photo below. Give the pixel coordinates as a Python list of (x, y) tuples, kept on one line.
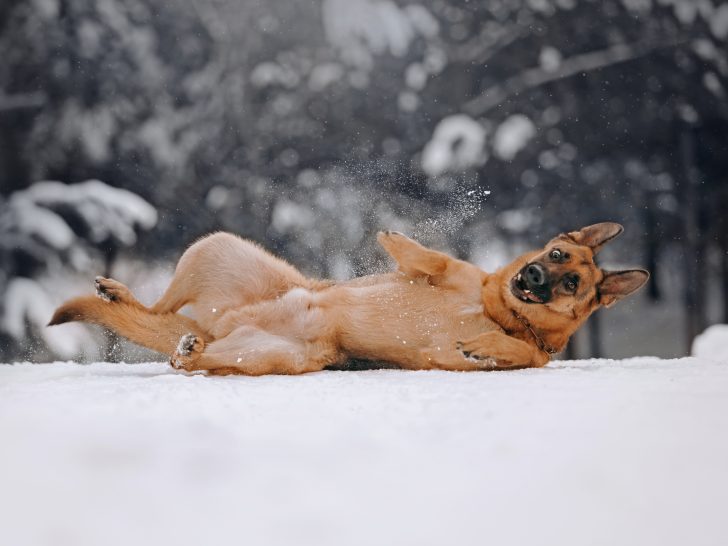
[(548, 340), (542, 345)]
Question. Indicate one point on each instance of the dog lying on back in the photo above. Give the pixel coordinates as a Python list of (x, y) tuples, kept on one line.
[(254, 314)]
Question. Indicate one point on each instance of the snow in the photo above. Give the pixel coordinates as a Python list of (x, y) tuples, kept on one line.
[(323, 75), (106, 210), (288, 216), (217, 197), (719, 22), (515, 220), (157, 135), (416, 76), (408, 101), (512, 135), (640, 6), (47, 8), (40, 222), (26, 302), (463, 205), (457, 144), (422, 20), (712, 83), (269, 73), (37, 224), (712, 343), (686, 11), (550, 59), (360, 28), (581, 452), (92, 129)]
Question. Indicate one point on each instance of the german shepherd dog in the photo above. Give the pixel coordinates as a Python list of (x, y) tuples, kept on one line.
[(254, 314)]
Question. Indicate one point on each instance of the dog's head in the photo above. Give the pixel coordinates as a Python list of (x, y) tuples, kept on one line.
[(562, 280)]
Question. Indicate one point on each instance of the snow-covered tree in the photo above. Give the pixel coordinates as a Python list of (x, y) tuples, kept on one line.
[(49, 231), (568, 111)]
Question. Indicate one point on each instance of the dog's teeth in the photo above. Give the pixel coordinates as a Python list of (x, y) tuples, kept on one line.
[(527, 291), (519, 277)]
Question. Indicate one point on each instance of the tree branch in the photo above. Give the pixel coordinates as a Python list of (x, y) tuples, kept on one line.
[(535, 77), (21, 101)]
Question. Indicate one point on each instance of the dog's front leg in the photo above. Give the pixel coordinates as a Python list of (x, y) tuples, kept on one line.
[(439, 358), (414, 260), (503, 351)]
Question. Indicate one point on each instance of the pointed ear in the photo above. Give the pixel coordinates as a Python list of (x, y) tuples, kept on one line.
[(617, 284), (597, 235)]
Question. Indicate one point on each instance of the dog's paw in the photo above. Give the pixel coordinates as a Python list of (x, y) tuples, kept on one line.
[(111, 290), (188, 349), (392, 241), (187, 344), (387, 234), (473, 354)]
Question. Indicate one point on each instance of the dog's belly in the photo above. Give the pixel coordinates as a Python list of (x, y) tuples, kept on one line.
[(394, 321), (297, 314)]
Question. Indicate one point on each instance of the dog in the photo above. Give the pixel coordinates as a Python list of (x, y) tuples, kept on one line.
[(253, 313)]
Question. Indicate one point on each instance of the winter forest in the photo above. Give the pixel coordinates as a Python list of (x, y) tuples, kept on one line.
[(130, 128)]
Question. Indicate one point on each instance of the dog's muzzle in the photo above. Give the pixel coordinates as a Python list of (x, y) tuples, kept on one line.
[(532, 284)]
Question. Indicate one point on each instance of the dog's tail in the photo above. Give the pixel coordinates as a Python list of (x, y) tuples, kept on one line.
[(160, 332)]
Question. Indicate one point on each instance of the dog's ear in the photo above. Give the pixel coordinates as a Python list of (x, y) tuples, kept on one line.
[(596, 235), (617, 284)]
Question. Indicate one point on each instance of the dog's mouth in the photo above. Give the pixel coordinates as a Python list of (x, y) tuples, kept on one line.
[(521, 290)]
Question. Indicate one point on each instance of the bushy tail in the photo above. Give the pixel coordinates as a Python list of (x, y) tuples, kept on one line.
[(160, 332)]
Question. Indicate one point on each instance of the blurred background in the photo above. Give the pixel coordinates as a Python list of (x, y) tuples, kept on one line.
[(129, 128)]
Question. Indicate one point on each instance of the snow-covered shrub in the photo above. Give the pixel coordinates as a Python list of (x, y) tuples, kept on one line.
[(27, 306), (49, 230), (712, 343)]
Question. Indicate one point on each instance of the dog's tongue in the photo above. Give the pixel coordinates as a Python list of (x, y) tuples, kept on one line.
[(533, 297)]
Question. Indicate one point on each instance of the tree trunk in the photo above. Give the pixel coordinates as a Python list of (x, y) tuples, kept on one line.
[(571, 353), (652, 249), (724, 277), (694, 251), (110, 338), (595, 336), (722, 240)]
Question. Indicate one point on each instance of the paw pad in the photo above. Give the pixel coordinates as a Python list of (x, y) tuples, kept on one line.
[(186, 344), (101, 290)]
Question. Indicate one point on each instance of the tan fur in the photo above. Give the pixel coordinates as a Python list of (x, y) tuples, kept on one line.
[(255, 314)]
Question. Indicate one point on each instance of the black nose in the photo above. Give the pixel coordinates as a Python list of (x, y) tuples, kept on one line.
[(536, 275)]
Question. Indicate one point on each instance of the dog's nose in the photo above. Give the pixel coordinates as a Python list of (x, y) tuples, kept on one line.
[(536, 275)]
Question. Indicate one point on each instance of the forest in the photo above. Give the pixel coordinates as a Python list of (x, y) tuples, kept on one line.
[(130, 128)]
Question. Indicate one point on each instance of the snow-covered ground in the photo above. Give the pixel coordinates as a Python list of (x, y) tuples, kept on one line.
[(581, 452)]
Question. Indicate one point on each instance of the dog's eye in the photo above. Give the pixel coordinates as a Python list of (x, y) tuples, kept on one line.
[(571, 284), (555, 254)]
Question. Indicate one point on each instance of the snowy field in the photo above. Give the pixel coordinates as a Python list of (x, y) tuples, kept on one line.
[(581, 452)]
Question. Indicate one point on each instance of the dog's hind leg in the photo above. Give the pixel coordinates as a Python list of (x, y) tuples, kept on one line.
[(251, 351), (223, 271), (133, 321), (111, 290)]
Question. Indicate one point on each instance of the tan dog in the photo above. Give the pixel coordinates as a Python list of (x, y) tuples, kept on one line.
[(255, 314)]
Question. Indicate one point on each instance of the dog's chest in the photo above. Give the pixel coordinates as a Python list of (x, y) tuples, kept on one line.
[(411, 317)]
